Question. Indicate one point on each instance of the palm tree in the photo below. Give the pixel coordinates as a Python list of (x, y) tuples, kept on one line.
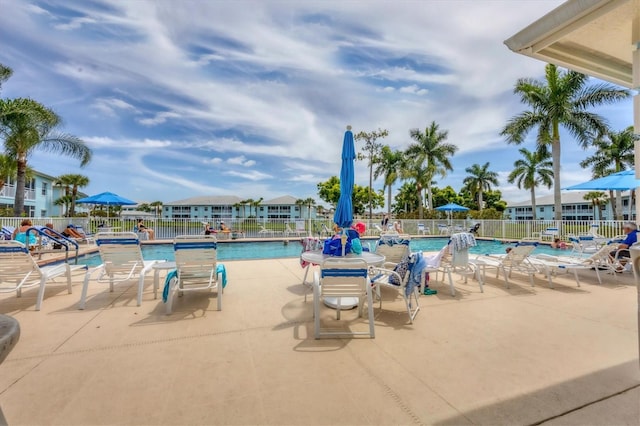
[(480, 179), (309, 202), (157, 207), (431, 149), (614, 153), (237, 207), (5, 74), (64, 203), (532, 170), (561, 100), (8, 169), (26, 126), (414, 168), (389, 165), (72, 182), (255, 204), (597, 198)]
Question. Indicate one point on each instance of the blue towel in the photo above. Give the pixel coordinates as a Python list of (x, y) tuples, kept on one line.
[(419, 263), (220, 270)]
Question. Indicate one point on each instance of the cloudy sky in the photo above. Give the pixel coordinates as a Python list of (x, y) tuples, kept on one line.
[(185, 98)]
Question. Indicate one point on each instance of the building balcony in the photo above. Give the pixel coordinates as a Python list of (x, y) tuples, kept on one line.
[(9, 191)]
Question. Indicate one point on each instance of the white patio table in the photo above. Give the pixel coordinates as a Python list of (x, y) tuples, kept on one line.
[(317, 257)]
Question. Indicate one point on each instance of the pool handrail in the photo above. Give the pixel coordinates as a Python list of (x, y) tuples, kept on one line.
[(59, 238)]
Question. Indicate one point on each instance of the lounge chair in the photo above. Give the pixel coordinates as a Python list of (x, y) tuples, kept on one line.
[(325, 230), (549, 234), (423, 230), (18, 270), (288, 231), (196, 267), (475, 229), (585, 243), (443, 229), (121, 262), (341, 277), (399, 280), (516, 260), (6, 233), (455, 260)]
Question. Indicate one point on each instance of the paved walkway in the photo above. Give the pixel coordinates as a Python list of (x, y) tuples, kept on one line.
[(518, 356)]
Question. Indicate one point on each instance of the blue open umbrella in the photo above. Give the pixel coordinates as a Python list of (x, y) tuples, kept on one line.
[(106, 199), (343, 216), (452, 207), (621, 181)]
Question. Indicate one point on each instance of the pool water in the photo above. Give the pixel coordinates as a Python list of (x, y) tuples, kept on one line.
[(277, 249)]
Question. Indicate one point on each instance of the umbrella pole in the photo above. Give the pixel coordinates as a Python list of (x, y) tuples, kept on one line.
[(343, 239)]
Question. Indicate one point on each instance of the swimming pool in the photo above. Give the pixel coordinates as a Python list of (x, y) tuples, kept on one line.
[(278, 249)]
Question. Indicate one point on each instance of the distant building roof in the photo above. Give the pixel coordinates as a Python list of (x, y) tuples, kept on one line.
[(216, 200), (284, 200), (568, 197)]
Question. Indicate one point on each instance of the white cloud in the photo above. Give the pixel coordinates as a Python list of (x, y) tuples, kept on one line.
[(75, 23), (414, 89), (214, 160), (159, 118), (241, 160), (109, 106), (250, 175)]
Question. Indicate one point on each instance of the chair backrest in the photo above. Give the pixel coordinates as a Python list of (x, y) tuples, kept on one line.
[(119, 251), (393, 247), (551, 232), (287, 228), (343, 277), (16, 262), (518, 254), (195, 252), (300, 226), (420, 226)]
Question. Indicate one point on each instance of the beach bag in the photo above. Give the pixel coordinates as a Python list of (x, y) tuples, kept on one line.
[(333, 247)]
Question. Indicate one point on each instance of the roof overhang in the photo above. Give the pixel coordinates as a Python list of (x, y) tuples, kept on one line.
[(590, 36)]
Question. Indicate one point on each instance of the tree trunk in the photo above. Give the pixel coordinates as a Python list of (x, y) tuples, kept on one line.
[(555, 155), (612, 203), (533, 202), (430, 197), (72, 208), (389, 201), (18, 203), (420, 207), (480, 200), (370, 187), (619, 205)]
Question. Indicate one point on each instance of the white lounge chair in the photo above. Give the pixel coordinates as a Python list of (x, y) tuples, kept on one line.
[(443, 229), (516, 260), (289, 231), (423, 230), (457, 262), (121, 262), (399, 280), (341, 277), (196, 267), (18, 271), (549, 234)]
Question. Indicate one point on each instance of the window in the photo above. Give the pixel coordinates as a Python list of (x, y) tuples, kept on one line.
[(206, 209), (43, 213), (541, 209), (195, 209), (44, 190)]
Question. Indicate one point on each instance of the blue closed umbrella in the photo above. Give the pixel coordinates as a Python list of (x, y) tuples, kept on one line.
[(343, 216), (621, 181)]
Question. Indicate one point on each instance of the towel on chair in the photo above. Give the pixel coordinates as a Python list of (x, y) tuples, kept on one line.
[(460, 244), (220, 270), (419, 263)]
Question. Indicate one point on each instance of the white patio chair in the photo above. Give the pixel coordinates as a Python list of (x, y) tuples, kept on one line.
[(121, 262), (457, 263), (196, 267), (394, 247), (516, 260), (341, 277), (423, 230), (549, 234), (264, 231), (19, 270), (443, 229), (399, 280)]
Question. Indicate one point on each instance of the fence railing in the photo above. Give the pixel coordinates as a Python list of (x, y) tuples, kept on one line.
[(252, 228)]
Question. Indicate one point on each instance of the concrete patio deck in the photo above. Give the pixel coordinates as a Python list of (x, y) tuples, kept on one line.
[(518, 356)]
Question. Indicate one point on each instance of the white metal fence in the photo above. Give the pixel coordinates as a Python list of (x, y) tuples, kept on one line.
[(250, 228)]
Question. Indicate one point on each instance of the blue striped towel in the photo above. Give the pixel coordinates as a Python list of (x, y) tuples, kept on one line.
[(220, 270)]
